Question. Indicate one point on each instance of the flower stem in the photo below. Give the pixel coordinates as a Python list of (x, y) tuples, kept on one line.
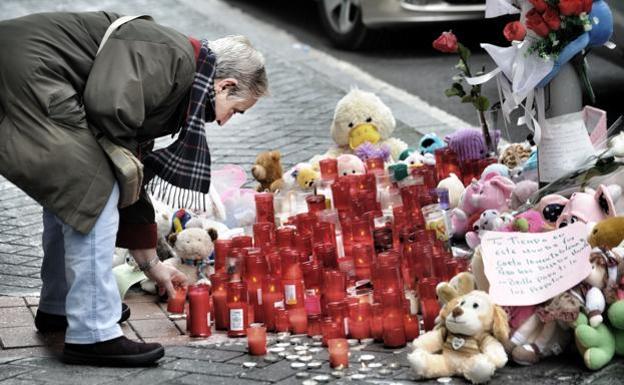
[(486, 132)]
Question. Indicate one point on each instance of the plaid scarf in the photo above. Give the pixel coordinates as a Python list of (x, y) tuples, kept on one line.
[(183, 168)]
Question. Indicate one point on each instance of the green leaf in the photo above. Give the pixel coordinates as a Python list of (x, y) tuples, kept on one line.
[(467, 99), (481, 103), (460, 66)]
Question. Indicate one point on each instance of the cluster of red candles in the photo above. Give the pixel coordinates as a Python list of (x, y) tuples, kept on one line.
[(339, 270), (447, 163)]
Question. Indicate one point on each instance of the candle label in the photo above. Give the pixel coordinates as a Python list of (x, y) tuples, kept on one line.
[(208, 321), (290, 292), (237, 319), (346, 325), (259, 294)]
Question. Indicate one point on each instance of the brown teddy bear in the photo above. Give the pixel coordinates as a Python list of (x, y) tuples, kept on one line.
[(515, 155), (268, 171)]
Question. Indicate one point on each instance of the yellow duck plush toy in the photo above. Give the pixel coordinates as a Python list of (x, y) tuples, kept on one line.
[(362, 117)]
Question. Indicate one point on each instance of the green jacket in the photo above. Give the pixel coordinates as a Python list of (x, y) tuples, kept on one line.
[(56, 94)]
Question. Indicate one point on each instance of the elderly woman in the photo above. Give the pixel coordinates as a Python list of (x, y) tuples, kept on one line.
[(58, 94)]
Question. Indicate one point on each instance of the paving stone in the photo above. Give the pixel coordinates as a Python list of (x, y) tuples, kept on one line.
[(149, 376), (145, 310), (193, 379), (205, 354), (24, 282), (169, 341), (15, 259), (205, 367), (20, 337), (19, 270), (15, 316), (32, 301), (129, 332), (67, 376), (20, 353), (135, 296), (11, 301), (275, 372), (19, 381), (155, 328), (11, 370)]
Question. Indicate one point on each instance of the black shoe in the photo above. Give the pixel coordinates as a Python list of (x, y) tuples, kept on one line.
[(116, 352), (52, 323)]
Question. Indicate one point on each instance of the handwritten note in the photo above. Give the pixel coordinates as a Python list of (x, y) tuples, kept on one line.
[(527, 269)]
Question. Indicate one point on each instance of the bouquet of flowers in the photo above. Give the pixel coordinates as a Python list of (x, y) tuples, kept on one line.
[(555, 23)]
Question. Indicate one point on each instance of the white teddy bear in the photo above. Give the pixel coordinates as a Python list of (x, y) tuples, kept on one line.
[(361, 117)]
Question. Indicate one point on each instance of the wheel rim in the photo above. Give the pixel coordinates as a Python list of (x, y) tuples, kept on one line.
[(341, 14)]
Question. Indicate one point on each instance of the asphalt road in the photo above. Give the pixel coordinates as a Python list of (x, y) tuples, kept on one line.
[(405, 58)]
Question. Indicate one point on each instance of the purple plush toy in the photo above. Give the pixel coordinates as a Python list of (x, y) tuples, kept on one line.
[(468, 143)]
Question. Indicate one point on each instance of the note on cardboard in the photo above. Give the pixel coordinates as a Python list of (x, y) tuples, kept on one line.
[(528, 268)]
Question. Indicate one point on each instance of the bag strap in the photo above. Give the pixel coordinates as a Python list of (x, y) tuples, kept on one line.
[(118, 23)]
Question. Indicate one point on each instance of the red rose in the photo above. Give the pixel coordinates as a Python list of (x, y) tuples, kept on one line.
[(539, 5), (536, 23), (587, 5), (514, 31), (447, 42), (571, 7), (552, 18)]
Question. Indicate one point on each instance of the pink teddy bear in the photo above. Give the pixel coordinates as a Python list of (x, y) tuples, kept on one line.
[(350, 165), (491, 193), (587, 207)]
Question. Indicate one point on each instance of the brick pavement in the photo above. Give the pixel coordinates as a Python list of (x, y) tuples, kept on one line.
[(305, 87)]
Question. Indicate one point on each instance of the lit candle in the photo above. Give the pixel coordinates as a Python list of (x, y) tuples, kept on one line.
[(256, 340), (265, 211), (219, 300), (329, 169), (298, 319), (410, 322), (359, 320), (199, 310), (175, 304), (376, 323), (338, 352), (238, 308), (271, 293)]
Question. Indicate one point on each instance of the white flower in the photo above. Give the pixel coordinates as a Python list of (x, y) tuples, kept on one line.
[(596, 20)]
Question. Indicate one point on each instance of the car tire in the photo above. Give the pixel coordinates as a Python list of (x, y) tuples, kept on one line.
[(342, 21)]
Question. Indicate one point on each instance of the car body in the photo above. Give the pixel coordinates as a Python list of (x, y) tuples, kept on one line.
[(348, 22)]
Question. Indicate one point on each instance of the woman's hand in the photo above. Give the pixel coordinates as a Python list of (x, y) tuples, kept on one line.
[(166, 276)]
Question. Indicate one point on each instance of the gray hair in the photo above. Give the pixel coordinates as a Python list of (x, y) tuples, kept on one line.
[(238, 59)]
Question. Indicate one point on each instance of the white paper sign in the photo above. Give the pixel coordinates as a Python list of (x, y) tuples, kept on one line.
[(565, 145), (495, 8), (530, 268)]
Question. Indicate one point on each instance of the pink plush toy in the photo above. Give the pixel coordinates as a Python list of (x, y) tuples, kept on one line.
[(350, 165), (586, 207), (489, 220), (491, 193)]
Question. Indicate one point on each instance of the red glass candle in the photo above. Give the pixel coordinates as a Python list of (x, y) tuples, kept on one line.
[(427, 288), (264, 235), (374, 165), (333, 288), (323, 232), (285, 237), (199, 309), (316, 203), (363, 258), (274, 262), (338, 352), (282, 324), (237, 308), (256, 340), (298, 319), (219, 299), (376, 324), (292, 279), (361, 231), (329, 169), (410, 322), (255, 271), (394, 330), (271, 295), (242, 241), (176, 303), (429, 308), (303, 244), (331, 329), (314, 325), (265, 211), (359, 320), (222, 250), (326, 254), (341, 194), (304, 222), (439, 267)]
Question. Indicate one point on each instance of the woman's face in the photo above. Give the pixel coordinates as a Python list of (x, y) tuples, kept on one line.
[(226, 106)]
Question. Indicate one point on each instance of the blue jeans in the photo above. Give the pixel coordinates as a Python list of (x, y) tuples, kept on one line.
[(77, 275)]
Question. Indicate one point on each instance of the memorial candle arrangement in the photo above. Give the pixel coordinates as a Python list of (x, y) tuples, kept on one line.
[(338, 264)]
